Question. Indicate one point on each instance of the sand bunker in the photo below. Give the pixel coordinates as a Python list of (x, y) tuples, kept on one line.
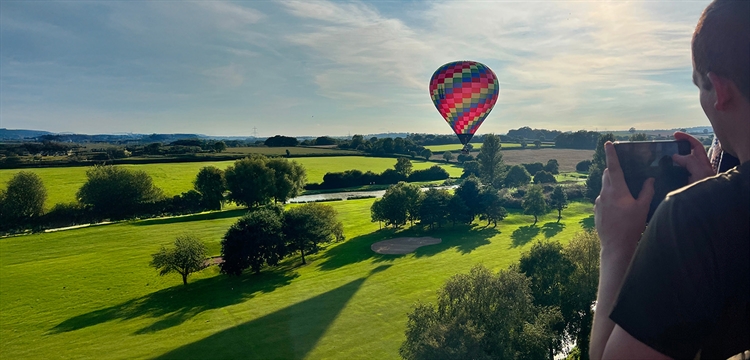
[(402, 245)]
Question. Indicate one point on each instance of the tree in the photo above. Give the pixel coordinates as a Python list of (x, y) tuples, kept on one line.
[(639, 137), (491, 205), (447, 156), (186, 257), (281, 141), (490, 159), (23, 199), (426, 154), (598, 164), (219, 146), (250, 182), (309, 226), (537, 144), (632, 130), (434, 207), (524, 144), (534, 203), (549, 271), (210, 184), (403, 166), (458, 211), (479, 316), (583, 165), (580, 293), (253, 241), (544, 177), (468, 191), (463, 158), (517, 176), (471, 168), (116, 191), (399, 204), (289, 179), (558, 201), (533, 168), (552, 167)]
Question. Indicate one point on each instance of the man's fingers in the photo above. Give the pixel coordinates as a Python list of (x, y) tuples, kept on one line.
[(695, 144), (647, 192), (616, 178)]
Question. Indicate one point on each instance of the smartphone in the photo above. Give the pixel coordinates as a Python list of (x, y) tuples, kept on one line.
[(641, 160)]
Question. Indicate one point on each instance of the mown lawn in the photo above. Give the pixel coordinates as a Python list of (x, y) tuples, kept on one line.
[(62, 183), (89, 293)]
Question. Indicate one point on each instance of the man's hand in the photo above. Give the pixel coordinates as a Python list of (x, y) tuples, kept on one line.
[(619, 218), (696, 163)]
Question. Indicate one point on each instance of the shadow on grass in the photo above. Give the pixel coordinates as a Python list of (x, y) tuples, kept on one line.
[(289, 333), (524, 234), (587, 223), (175, 305), (462, 237), (551, 229), (195, 217)]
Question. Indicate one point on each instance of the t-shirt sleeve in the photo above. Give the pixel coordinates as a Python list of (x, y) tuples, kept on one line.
[(667, 299)]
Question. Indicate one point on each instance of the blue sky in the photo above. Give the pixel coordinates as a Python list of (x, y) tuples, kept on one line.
[(338, 67)]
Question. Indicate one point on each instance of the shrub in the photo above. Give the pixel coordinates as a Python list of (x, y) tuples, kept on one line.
[(543, 177), (583, 166), (433, 173)]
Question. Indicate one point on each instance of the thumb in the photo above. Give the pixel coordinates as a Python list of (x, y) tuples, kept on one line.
[(647, 192), (681, 160)]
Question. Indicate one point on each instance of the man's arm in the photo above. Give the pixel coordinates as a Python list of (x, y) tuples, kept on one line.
[(620, 219)]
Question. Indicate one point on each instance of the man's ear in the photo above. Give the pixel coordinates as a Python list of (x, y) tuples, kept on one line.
[(723, 89)]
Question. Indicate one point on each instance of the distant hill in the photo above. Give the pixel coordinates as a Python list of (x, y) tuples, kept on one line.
[(11, 134)]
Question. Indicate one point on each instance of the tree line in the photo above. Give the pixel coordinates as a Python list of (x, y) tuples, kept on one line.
[(115, 193), (401, 171)]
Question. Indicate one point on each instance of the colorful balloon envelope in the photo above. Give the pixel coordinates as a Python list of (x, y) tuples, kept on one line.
[(464, 93)]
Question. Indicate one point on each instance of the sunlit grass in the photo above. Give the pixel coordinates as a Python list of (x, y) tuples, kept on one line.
[(89, 293)]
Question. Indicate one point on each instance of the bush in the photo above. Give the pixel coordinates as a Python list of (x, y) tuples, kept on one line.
[(533, 168), (583, 166), (576, 191), (433, 173), (543, 177), (517, 176), (118, 192)]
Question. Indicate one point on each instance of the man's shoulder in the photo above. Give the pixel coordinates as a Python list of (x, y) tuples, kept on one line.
[(732, 186)]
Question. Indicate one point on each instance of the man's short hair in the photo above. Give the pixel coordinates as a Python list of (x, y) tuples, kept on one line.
[(721, 43)]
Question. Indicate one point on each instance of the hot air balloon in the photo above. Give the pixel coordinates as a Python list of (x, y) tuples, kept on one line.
[(464, 93)]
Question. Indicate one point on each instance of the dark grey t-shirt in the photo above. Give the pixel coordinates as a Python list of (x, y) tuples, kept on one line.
[(688, 286)]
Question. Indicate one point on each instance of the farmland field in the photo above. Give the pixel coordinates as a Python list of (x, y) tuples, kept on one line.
[(89, 293), (477, 146), (62, 183)]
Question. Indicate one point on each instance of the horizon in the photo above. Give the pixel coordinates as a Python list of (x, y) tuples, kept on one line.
[(225, 68)]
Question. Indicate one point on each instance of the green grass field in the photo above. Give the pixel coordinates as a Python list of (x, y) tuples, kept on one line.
[(62, 183), (477, 146), (89, 293)]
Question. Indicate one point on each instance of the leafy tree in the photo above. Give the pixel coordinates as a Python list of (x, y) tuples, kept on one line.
[(534, 203), (549, 271), (491, 205), (280, 141), (537, 144), (116, 191), (426, 154), (289, 179), (434, 172), (250, 182), (413, 154), (447, 156), (254, 240), (599, 163), (524, 144), (544, 177), (471, 168), (219, 146), (210, 184), (558, 201), (309, 226), (399, 204), (479, 316), (468, 191), (325, 140), (463, 158), (186, 257), (517, 176), (23, 199), (552, 167), (458, 211), (639, 137), (583, 165), (434, 207), (533, 168), (403, 166), (490, 159), (580, 292)]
